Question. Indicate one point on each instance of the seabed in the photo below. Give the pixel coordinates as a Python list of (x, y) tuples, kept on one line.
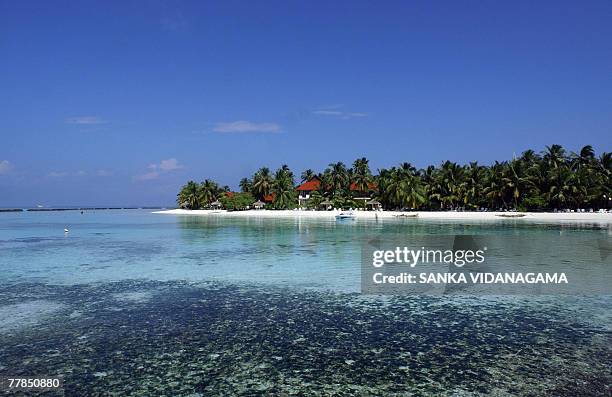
[(144, 338)]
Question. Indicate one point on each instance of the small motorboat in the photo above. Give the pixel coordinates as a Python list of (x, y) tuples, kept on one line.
[(346, 215), (511, 215), (412, 215)]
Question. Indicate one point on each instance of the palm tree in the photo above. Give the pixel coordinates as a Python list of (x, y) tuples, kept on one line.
[(563, 188), (585, 158), (604, 180), (494, 190), (208, 192), (262, 183), (554, 156), (552, 179), (362, 176), (515, 181), (246, 185), (427, 176), (473, 185), (448, 181), (189, 196), (308, 175), (338, 178), (283, 188), (401, 187), (605, 162)]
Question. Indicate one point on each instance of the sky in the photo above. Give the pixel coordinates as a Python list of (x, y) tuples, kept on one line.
[(122, 102)]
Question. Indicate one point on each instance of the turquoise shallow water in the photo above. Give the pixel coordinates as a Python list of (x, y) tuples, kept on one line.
[(136, 244), (134, 303)]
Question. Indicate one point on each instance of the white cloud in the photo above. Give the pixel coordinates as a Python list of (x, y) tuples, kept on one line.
[(147, 177), (245, 127), (169, 165), (104, 173), (335, 111), (5, 167), (164, 166), (61, 174), (85, 120), (328, 112)]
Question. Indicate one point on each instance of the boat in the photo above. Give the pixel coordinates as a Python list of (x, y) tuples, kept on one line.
[(510, 215), (413, 215), (346, 215)]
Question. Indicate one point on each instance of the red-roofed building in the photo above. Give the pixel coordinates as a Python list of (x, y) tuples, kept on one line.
[(306, 189), (371, 186), (269, 198)]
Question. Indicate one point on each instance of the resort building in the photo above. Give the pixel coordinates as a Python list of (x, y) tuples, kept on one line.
[(306, 189)]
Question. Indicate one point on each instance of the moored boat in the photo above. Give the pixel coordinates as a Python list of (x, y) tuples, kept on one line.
[(346, 215)]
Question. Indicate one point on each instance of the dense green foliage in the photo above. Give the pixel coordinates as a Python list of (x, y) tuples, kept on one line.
[(553, 179), (237, 201)]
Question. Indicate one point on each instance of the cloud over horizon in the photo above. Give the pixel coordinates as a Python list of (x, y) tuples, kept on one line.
[(5, 167), (61, 174), (85, 120), (337, 111), (243, 126), (164, 166)]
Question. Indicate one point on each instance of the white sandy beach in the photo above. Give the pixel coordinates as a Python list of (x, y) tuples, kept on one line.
[(439, 215)]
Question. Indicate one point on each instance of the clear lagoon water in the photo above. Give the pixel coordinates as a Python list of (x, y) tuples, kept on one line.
[(134, 303)]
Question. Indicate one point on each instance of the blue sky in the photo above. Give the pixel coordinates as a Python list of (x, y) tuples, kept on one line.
[(121, 102)]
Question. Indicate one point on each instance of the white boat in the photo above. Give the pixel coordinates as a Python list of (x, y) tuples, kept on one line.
[(413, 215), (511, 215), (346, 215)]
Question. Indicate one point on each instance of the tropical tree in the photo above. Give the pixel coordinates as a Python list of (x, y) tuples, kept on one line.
[(209, 191), (362, 176), (283, 188), (472, 185), (237, 201), (246, 185), (554, 156), (562, 189), (494, 188), (552, 179), (401, 187), (337, 177), (448, 184), (308, 175), (262, 183), (517, 182), (189, 196)]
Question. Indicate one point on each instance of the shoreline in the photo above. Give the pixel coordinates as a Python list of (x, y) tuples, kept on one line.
[(439, 215)]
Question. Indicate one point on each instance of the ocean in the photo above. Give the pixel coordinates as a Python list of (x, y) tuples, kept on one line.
[(128, 302)]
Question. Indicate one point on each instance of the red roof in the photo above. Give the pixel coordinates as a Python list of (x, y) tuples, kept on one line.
[(371, 186), (315, 183), (229, 194), (269, 198), (310, 185)]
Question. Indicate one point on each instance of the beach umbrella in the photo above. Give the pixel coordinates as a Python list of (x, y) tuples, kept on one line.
[(373, 203), (326, 203)]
